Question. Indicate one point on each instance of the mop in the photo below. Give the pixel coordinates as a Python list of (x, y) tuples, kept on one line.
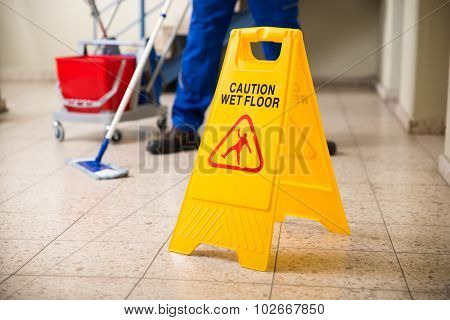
[(95, 167)]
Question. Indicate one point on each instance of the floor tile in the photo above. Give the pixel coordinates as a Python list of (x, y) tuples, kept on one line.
[(168, 205), (50, 256), (426, 272), (11, 144), (420, 239), (416, 212), (120, 205), (396, 157), (356, 192), (412, 193), (89, 227), (10, 185), (48, 202), (379, 163), (429, 296), (62, 182), (362, 211), (151, 189), (13, 284), (34, 226), (138, 228), (378, 149), (206, 263), (369, 144), (379, 175), (43, 163), (198, 290), (433, 144), (373, 124), (107, 259), (312, 235), (280, 292), (349, 169), (75, 288), (15, 253), (351, 269), (3, 277)]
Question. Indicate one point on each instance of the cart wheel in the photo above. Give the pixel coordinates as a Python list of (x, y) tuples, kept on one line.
[(117, 136), (58, 130), (162, 123)]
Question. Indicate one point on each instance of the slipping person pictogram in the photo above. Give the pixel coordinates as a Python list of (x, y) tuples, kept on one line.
[(248, 138), (238, 147)]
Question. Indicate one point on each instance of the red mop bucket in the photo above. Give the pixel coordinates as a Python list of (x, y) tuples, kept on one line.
[(93, 84)]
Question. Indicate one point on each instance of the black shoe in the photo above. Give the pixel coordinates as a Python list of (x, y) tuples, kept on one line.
[(332, 147), (173, 141)]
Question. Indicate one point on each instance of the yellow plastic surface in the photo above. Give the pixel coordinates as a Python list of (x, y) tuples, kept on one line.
[(262, 155)]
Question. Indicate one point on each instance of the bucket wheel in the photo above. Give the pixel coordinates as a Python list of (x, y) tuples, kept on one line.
[(58, 130), (117, 135)]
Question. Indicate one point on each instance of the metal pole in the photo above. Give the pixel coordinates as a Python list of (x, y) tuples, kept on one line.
[(142, 18), (94, 27), (137, 73)]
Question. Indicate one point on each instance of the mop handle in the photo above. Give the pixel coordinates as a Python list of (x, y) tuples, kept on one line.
[(166, 49), (96, 14), (138, 71)]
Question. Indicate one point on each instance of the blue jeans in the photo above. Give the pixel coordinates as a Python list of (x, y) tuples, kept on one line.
[(200, 64)]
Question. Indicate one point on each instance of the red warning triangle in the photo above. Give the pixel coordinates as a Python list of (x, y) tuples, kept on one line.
[(239, 149)]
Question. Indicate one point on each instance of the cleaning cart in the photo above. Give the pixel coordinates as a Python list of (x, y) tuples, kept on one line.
[(91, 84)]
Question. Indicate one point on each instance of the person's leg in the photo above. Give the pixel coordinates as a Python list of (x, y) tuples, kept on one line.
[(283, 14), (200, 64)]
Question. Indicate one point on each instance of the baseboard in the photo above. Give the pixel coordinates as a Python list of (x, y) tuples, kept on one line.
[(401, 116), (387, 95), (345, 82), (3, 106), (12, 75), (424, 126), (444, 168)]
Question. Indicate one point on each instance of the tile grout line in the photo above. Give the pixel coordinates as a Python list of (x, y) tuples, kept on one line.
[(51, 242), (99, 235), (227, 282), (32, 144), (373, 191), (148, 268), (22, 191), (281, 284), (45, 177), (119, 221), (276, 260)]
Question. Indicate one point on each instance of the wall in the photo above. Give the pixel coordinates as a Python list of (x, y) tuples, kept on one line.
[(423, 80), (390, 55), (444, 159), (339, 33), (336, 34), (26, 50), (409, 57)]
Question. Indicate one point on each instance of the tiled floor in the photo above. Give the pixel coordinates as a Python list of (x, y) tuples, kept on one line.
[(64, 235)]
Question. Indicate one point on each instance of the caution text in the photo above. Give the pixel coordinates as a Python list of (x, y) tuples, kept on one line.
[(251, 95)]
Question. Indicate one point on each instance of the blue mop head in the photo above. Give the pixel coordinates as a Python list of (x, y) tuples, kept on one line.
[(98, 170)]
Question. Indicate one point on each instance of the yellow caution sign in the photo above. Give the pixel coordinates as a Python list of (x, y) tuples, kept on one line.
[(263, 154)]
